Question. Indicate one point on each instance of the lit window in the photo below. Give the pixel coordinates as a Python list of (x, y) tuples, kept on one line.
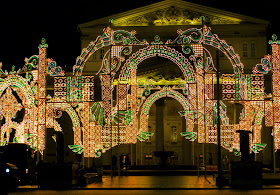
[(245, 50), (102, 52), (173, 134), (253, 50)]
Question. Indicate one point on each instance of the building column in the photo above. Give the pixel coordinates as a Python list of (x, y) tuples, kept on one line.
[(159, 124)]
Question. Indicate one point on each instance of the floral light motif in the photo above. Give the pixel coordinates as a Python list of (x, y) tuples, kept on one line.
[(9, 105), (53, 69), (264, 67)]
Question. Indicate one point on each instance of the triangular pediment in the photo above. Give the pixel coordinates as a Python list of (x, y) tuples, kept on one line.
[(174, 12)]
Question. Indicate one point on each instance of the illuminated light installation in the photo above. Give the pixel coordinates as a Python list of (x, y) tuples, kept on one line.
[(26, 131), (54, 110), (162, 51), (165, 92), (25, 83), (264, 67), (123, 118), (275, 90), (122, 96), (133, 127), (42, 95), (74, 89), (214, 41), (253, 111), (231, 86), (30, 63), (9, 107), (268, 113), (192, 70), (53, 69)]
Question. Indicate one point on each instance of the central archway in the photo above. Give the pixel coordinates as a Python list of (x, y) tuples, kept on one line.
[(26, 129), (165, 92), (164, 51)]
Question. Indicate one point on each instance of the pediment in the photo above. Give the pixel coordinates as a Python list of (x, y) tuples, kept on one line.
[(174, 12), (174, 15)]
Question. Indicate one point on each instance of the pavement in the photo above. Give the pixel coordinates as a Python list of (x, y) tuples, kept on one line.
[(154, 182), (153, 185), (146, 182)]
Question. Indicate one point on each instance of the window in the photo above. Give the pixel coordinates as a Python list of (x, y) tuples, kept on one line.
[(253, 50), (245, 50), (173, 134), (102, 52)]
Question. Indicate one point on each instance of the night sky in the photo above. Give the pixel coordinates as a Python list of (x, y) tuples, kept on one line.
[(25, 23)]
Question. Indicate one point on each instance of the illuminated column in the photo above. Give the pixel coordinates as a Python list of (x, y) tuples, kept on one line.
[(133, 101), (122, 95), (106, 97), (209, 99), (159, 125), (276, 91), (106, 104), (42, 95), (200, 105), (87, 128)]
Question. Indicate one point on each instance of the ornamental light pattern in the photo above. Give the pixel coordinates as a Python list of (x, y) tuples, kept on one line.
[(121, 115)]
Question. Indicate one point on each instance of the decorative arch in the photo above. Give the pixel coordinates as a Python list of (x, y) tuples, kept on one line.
[(27, 128), (165, 92), (213, 40), (109, 37), (17, 81), (162, 51), (51, 122), (12, 125), (126, 39), (189, 62)]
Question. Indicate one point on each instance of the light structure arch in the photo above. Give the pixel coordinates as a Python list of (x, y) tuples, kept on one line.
[(127, 39), (164, 51), (19, 131), (213, 40), (165, 92), (119, 58), (64, 107), (27, 96), (22, 84)]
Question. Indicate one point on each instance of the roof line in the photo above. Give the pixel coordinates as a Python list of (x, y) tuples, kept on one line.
[(166, 3)]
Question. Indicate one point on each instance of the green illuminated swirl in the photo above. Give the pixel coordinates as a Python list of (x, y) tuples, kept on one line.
[(125, 37)]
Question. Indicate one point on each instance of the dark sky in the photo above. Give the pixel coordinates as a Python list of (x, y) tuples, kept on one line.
[(25, 23)]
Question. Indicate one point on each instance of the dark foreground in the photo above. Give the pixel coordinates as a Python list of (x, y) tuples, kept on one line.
[(153, 185), (151, 192)]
